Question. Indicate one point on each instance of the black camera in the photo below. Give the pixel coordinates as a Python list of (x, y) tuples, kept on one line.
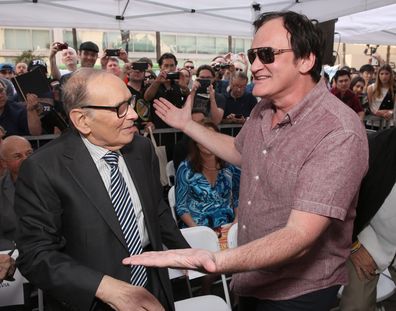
[(172, 75), (224, 66), (205, 83), (139, 66), (113, 52)]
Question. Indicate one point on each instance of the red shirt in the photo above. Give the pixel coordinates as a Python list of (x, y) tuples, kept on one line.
[(314, 162), (349, 98)]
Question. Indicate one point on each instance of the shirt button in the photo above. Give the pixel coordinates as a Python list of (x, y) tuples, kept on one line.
[(244, 227), (257, 177), (249, 202), (264, 151)]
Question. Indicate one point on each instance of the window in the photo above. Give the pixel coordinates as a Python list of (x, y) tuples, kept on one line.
[(221, 45), (143, 42), (168, 43), (240, 45), (26, 39), (206, 45), (186, 44)]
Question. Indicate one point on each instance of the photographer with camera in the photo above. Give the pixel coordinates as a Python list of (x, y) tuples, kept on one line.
[(135, 73), (206, 100), (165, 86), (69, 59), (110, 61), (239, 103)]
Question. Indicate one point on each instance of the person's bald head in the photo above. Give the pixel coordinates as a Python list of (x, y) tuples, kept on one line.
[(13, 151)]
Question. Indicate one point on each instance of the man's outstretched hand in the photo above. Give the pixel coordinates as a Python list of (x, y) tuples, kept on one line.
[(191, 259), (175, 117)]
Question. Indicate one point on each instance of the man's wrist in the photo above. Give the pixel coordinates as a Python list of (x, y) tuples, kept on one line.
[(356, 246)]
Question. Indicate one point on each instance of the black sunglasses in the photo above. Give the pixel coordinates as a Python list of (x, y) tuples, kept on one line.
[(265, 54), (121, 109)]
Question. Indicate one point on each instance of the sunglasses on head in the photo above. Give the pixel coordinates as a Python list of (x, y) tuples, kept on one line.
[(265, 54)]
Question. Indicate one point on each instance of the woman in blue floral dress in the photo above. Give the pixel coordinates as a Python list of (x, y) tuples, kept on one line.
[(207, 188)]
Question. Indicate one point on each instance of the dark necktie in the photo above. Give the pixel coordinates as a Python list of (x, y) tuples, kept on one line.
[(123, 207)]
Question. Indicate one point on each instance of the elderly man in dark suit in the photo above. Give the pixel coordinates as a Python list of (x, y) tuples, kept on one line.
[(89, 199)]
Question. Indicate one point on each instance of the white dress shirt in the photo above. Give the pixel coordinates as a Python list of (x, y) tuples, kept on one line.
[(97, 154)]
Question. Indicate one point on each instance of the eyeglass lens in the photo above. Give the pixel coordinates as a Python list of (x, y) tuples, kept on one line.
[(265, 54)]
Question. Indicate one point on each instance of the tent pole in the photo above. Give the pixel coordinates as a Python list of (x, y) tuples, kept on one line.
[(229, 43), (74, 34), (158, 44), (388, 53)]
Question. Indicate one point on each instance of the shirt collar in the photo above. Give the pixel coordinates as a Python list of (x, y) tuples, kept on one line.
[(301, 109), (308, 103), (97, 153)]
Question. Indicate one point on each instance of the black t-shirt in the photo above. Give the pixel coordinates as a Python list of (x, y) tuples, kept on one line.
[(202, 103), (174, 95), (142, 107)]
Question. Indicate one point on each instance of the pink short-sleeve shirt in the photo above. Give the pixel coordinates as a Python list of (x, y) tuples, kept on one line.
[(312, 161)]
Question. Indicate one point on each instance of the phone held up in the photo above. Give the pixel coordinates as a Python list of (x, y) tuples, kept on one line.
[(139, 66), (113, 52), (172, 75)]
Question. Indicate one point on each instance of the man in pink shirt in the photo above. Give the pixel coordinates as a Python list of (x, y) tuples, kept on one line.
[(303, 154)]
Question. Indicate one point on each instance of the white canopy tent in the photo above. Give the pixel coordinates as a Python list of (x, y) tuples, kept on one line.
[(376, 26), (226, 17)]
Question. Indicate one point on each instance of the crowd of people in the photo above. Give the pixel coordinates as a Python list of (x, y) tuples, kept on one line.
[(87, 210)]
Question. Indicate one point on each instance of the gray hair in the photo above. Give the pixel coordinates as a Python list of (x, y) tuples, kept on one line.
[(75, 91)]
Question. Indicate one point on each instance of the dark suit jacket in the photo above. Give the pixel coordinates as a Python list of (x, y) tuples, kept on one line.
[(8, 220), (379, 180), (69, 233)]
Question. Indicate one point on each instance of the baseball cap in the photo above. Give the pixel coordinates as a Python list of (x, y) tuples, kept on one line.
[(145, 60), (37, 63), (7, 67), (89, 46)]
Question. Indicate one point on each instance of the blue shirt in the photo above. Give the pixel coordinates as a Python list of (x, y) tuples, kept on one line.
[(242, 105), (14, 119), (208, 205)]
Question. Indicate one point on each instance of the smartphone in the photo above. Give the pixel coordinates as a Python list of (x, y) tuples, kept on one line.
[(139, 66), (205, 83), (63, 46), (113, 52), (173, 75)]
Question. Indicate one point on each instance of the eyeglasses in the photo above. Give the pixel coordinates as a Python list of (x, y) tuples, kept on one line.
[(121, 109), (265, 54), (189, 67)]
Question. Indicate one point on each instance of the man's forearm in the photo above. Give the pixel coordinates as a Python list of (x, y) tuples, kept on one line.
[(34, 122), (276, 249), (265, 253), (220, 144), (151, 91), (55, 73)]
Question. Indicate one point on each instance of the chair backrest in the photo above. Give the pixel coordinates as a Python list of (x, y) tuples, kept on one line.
[(207, 303), (204, 238), (232, 237), (172, 201), (170, 173)]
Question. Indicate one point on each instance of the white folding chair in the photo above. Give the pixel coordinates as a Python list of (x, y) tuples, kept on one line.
[(385, 287), (170, 173), (205, 238), (172, 201), (232, 237), (207, 303)]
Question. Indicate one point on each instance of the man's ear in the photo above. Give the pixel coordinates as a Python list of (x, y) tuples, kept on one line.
[(307, 63), (80, 121)]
